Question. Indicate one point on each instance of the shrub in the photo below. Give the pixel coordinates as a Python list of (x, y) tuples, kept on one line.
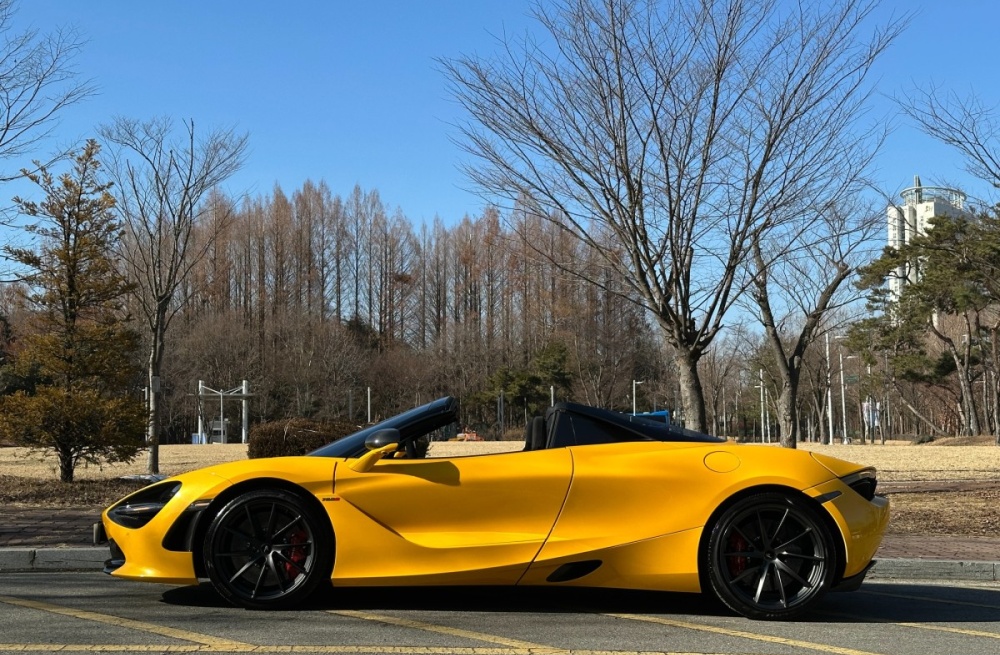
[(296, 436)]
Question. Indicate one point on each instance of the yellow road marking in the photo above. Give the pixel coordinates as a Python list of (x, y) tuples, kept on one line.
[(964, 603), (377, 650), (120, 622), (920, 626), (795, 643), (453, 632), (959, 631)]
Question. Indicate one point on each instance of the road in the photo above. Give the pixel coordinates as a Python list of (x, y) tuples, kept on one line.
[(90, 612)]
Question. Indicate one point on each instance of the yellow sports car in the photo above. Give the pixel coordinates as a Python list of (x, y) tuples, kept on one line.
[(595, 499)]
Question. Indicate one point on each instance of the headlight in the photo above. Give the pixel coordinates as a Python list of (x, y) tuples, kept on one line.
[(139, 509), (863, 482)]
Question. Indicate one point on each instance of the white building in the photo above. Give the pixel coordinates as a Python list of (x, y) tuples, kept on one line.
[(920, 204)]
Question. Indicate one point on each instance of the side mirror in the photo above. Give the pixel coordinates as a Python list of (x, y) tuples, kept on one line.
[(382, 438), (379, 444)]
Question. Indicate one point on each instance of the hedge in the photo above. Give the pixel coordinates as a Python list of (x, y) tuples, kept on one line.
[(296, 436)]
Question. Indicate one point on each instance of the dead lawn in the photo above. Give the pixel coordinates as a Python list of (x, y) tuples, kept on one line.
[(894, 462)]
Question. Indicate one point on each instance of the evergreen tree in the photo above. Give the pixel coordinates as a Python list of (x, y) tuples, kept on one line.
[(952, 305), (79, 345)]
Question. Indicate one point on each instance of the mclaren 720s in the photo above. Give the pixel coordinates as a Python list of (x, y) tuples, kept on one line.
[(595, 498)]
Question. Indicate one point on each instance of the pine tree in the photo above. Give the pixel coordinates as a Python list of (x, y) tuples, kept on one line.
[(79, 345)]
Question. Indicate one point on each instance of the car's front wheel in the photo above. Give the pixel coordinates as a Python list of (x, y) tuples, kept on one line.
[(267, 549), (770, 556)]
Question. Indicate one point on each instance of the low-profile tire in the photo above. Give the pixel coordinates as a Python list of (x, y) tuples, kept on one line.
[(267, 549), (770, 556)]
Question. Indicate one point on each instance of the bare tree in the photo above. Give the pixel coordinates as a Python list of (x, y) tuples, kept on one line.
[(966, 124), (37, 81), (161, 180), (800, 279), (680, 132)]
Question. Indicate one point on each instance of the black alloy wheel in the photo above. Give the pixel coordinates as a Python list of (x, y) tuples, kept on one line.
[(267, 549), (770, 556)]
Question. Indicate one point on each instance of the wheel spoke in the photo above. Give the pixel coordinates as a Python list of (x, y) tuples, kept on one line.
[(781, 523), (289, 525), (765, 541), (746, 574), (756, 554), (253, 524), (790, 571), (260, 581), (274, 570), (301, 544), (244, 569), (811, 558), (287, 560), (743, 534), (781, 586), (234, 553), (761, 581), (785, 545), (270, 520)]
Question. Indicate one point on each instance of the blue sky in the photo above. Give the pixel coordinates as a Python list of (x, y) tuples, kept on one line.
[(350, 92)]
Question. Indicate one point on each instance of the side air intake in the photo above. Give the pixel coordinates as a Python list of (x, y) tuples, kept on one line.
[(574, 570)]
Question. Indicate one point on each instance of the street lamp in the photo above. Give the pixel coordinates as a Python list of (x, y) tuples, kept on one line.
[(829, 392), (635, 383), (843, 398)]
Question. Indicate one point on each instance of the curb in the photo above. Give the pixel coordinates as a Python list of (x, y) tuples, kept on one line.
[(933, 569), (92, 559), (52, 559)]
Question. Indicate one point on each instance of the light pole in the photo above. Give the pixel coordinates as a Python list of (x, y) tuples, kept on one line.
[(760, 377), (843, 399), (635, 383), (829, 392)]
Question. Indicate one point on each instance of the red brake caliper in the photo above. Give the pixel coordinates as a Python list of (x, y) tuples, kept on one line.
[(297, 554), (737, 564)]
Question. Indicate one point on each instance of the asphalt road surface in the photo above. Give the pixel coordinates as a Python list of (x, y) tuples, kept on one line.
[(91, 612)]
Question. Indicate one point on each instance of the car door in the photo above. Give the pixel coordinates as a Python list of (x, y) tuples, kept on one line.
[(462, 520)]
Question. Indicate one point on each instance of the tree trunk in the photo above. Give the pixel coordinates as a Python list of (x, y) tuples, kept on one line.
[(153, 398), (66, 467), (788, 413), (692, 394)]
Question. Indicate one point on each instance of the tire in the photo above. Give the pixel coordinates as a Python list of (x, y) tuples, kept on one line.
[(770, 556), (267, 549)]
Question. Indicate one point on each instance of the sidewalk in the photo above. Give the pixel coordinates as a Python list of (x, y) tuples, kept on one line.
[(61, 538)]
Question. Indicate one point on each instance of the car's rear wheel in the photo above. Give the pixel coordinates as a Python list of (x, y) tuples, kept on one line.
[(267, 549), (770, 556)]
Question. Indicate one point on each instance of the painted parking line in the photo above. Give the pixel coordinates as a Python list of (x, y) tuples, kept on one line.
[(968, 632), (728, 632), (163, 631), (517, 644), (208, 644), (335, 650), (518, 647)]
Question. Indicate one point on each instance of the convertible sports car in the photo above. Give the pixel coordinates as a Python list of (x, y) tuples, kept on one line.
[(595, 498)]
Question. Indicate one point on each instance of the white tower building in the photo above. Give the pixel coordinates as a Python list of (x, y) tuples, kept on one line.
[(920, 205)]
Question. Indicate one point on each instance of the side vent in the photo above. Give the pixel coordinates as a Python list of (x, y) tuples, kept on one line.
[(574, 570)]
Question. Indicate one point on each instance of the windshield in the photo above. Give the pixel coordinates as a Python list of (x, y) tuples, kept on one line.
[(411, 425)]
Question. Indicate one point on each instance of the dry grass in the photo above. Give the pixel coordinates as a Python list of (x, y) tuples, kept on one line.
[(925, 462), (30, 478), (174, 459), (894, 462)]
